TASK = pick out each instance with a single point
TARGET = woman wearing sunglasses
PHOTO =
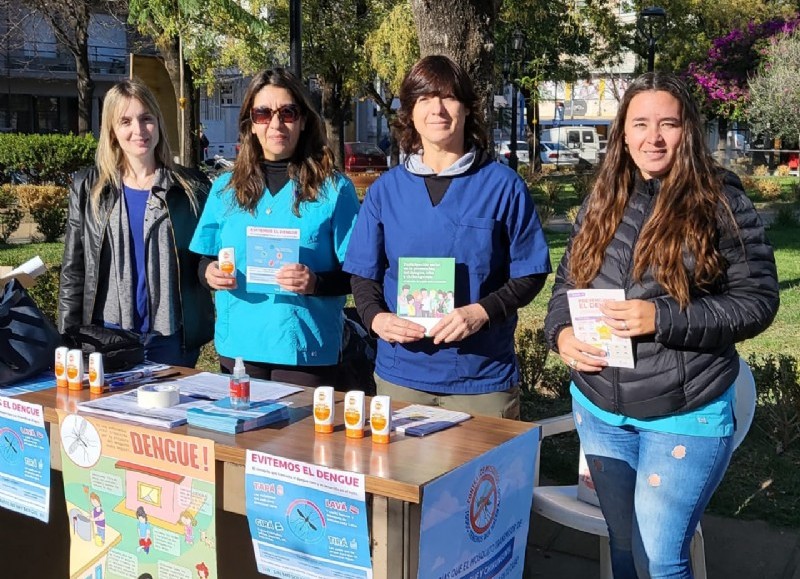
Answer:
(287, 214)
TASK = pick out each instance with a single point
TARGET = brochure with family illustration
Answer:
(589, 327)
(425, 289)
(268, 249)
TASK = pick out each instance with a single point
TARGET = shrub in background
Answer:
(769, 189)
(761, 171)
(782, 171)
(45, 158)
(47, 204)
(778, 406)
(10, 214)
(572, 213)
(582, 185)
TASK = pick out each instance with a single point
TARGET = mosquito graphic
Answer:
(10, 444)
(307, 520)
(79, 440)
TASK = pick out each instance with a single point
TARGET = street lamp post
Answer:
(651, 25)
(516, 48)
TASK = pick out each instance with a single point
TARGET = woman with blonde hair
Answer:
(288, 214)
(126, 261)
(677, 233)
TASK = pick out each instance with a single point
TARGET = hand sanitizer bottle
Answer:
(239, 386)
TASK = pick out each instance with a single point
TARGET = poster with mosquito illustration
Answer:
(24, 459)
(306, 520)
(140, 502)
(474, 520)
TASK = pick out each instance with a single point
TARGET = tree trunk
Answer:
(85, 91)
(333, 103)
(463, 31)
(187, 154)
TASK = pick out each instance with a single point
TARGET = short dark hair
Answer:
(438, 75)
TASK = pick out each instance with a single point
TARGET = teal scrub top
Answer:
(280, 328)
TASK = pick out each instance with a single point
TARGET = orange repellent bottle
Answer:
(60, 366)
(323, 409)
(75, 370)
(354, 414)
(97, 378)
(239, 387)
(380, 418)
(227, 260)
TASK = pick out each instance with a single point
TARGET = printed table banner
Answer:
(140, 502)
(24, 459)
(474, 522)
(307, 521)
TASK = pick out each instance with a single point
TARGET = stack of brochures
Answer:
(219, 415)
(419, 420)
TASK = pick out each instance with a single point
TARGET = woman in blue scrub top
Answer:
(288, 215)
(448, 199)
(673, 229)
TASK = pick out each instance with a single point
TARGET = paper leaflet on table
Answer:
(195, 391)
(589, 327)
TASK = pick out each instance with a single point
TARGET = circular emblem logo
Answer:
(484, 502)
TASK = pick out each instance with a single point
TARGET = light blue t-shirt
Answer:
(284, 328)
(713, 419)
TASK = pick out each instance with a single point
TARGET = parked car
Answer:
(504, 152)
(363, 163)
(558, 154)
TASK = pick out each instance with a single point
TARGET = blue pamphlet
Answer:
(269, 249)
(219, 415)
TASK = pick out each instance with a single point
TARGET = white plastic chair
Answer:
(561, 505)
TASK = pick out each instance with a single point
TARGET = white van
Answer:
(583, 139)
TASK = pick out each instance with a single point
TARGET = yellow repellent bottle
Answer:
(323, 409)
(227, 260)
(97, 378)
(60, 366)
(354, 414)
(75, 370)
(380, 419)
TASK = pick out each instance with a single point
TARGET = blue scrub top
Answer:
(486, 221)
(286, 328)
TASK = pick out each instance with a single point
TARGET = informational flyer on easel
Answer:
(139, 501)
(24, 459)
(306, 520)
(475, 519)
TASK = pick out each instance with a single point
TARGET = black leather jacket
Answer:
(691, 359)
(87, 255)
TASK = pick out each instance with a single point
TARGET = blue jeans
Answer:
(168, 350)
(653, 487)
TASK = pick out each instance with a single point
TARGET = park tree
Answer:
(464, 31)
(390, 49)
(774, 104)
(563, 42)
(69, 22)
(721, 80)
(195, 40)
(692, 26)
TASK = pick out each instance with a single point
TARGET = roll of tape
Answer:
(158, 395)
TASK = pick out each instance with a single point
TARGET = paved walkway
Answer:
(734, 550)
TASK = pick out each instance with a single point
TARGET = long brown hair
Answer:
(439, 76)
(688, 208)
(312, 161)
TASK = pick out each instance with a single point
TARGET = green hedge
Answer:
(44, 158)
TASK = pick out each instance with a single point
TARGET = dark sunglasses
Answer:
(286, 114)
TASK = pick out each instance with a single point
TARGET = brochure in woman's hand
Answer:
(589, 327)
